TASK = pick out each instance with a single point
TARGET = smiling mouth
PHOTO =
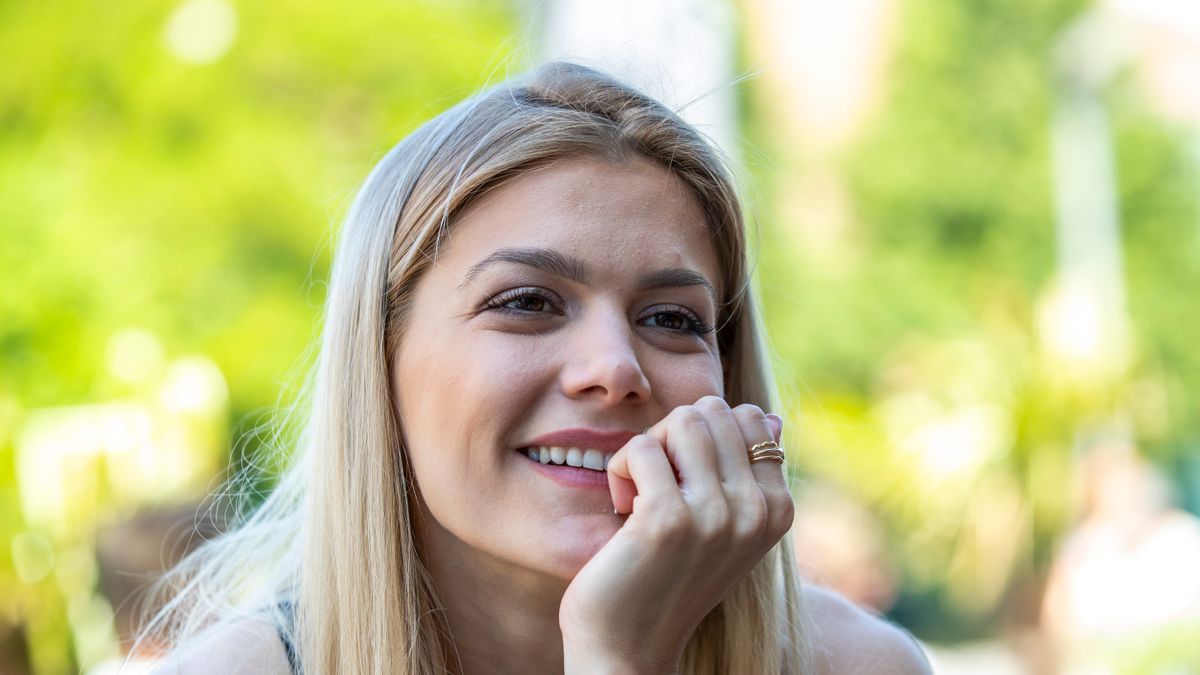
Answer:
(583, 458)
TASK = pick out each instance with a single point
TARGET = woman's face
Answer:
(571, 308)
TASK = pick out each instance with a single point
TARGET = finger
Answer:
(757, 428)
(731, 446)
(776, 423)
(688, 441)
(620, 482)
(641, 469)
(770, 474)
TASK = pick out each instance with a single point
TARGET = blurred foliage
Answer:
(911, 342)
(162, 215)
(189, 201)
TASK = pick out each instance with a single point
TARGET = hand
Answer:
(700, 517)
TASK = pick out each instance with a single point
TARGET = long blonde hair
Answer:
(336, 534)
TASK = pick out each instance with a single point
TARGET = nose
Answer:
(603, 365)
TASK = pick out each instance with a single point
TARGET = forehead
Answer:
(614, 215)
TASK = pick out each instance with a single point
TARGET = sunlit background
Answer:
(978, 241)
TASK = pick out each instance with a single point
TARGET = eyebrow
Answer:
(677, 277)
(553, 262)
(547, 260)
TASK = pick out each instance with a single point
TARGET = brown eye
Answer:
(527, 303)
(668, 320)
(674, 318)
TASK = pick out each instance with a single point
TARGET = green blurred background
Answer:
(996, 436)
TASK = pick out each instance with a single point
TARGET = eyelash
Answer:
(500, 302)
(694, 324)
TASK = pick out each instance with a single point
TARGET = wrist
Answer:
(591, 660)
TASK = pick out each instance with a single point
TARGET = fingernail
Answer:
(776, 424)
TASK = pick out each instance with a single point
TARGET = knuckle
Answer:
(713, 403)
(688, 415)
(753, 515)
(750, 412)
(634, 453)
(644, 446)
(641, 442)
(716, 523)
(636, 446)
(782, 514)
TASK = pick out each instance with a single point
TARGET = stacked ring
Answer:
(766, 450)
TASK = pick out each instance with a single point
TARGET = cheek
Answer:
(459, 403)
(458, 398)
(677, 382)
(497, 376)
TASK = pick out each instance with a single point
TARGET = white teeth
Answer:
(574, 457)
(593, 459)
(580, 457)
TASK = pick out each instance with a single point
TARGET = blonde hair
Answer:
(336, 534)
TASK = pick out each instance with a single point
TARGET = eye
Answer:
(675, 318)
(671, 320)
(524, 301)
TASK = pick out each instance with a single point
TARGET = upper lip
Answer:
(604, 440)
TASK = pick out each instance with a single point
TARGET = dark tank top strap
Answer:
(285, 636)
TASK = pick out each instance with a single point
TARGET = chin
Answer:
(563, 556)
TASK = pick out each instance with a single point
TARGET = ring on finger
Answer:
(766, 450)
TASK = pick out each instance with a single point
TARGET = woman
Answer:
(536, 440)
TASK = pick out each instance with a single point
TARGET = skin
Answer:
(848, 641)
(536, 575)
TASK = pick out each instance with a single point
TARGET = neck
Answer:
(503, 619)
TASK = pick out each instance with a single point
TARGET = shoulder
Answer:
(242, 647)
(848, 640)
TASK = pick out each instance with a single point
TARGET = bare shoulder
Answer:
(849, 640)
(242, 647)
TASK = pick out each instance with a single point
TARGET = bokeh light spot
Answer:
(193, 385)
(135, 355)
(33, 556)
(201, 31)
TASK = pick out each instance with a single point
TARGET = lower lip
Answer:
(570, 476)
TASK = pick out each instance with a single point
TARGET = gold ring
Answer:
(766, 450)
